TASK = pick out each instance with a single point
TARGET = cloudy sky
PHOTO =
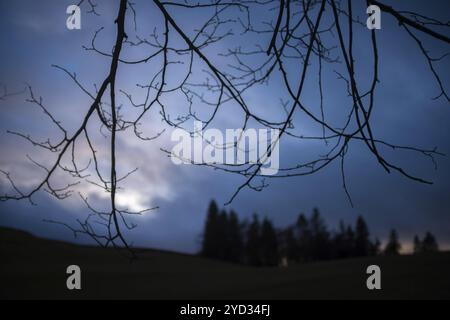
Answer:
(34, 36)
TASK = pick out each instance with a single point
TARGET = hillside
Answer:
(35, 268)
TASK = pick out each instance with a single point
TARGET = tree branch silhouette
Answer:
(297, 34)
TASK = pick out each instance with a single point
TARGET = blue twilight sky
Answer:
(34, 36)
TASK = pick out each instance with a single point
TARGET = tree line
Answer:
(257, 242)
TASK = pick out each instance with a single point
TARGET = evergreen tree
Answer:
(429, 243)
(343, 242)
(393, 246)
(257, 244)
(362, 242)
(234, 240)
(321, 246)
(291, 245)
(417, 245)
(303, 235)
(269, 244)
(253, 243)
(210, 240)
(375, 248)
(223, 252)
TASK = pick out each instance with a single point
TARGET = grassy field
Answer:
(36, 268)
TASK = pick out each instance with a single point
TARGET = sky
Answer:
(34, 36)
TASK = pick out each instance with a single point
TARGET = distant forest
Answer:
(259, 243)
